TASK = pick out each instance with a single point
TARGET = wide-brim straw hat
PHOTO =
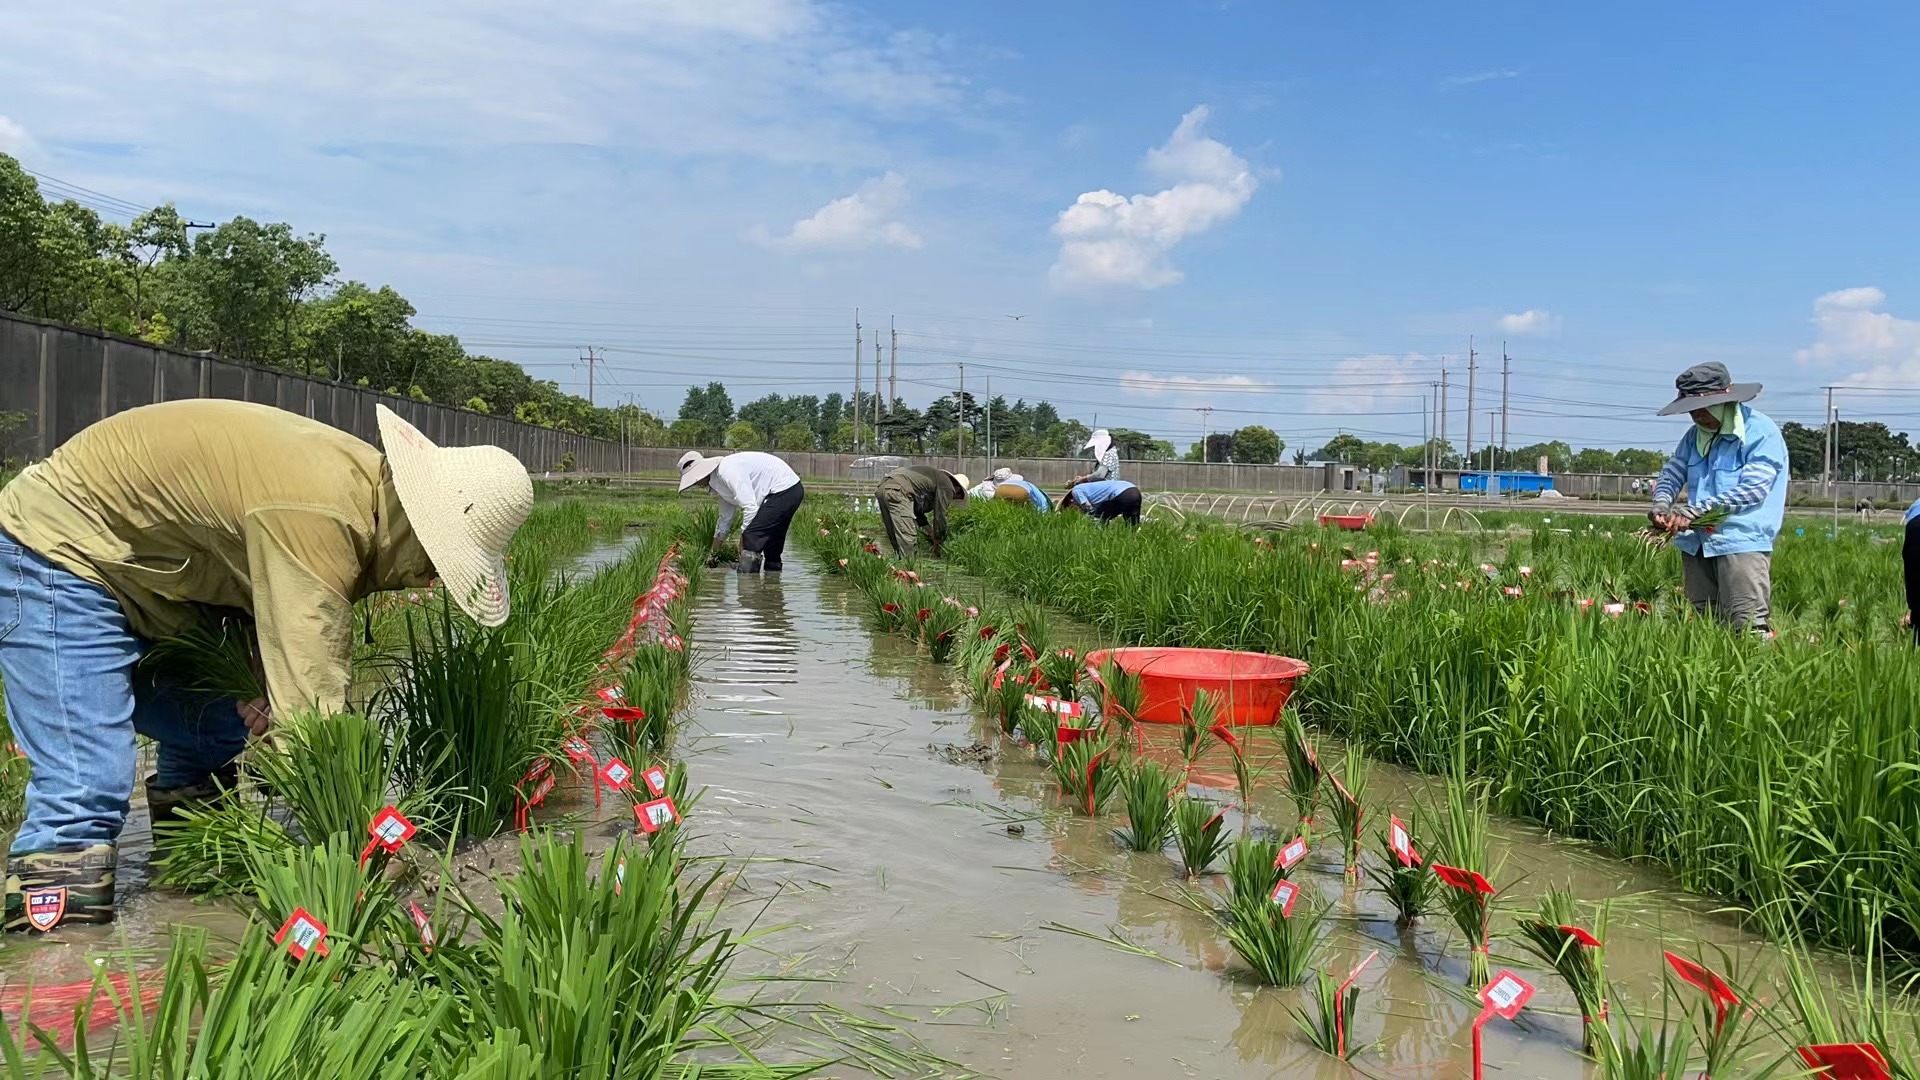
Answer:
(464, 503)
(694, 468)
(961, 480)
(1704, 386)
(1098, 442)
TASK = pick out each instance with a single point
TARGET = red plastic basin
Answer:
(1356, 522)
(1251, 687)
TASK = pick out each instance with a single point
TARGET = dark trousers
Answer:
(1124, 505)
(768, 533)
(1910, 556)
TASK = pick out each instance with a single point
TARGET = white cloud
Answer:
(1880, 347)
(1453, 81)
(1533, 322)
(1376, 382)
(863, 219)
(13, 137)
(1147, 383)
(1110, 239)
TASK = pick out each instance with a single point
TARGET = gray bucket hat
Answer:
(1703, 386)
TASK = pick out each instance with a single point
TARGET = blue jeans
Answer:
(75, 699)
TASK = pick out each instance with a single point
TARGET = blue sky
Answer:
(1287, 212)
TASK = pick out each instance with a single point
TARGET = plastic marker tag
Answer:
(611, 695)
(624, 713)
(619, 877)
(656, 815)
(1052, 704)
(424, 924)
(1284, 895)
(1614, 609)
(1067, 734)
(1846, 1061)
(1712, 985)
(1506, 994)
(1581, 936)
(1401, 841)
(1291, 855)
(302, 934)
(656, 780)
(1464, 880)
(1339, 1004)
(390, 830)
(615, 774)
(577, 750)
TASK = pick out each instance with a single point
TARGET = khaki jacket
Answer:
(232, 505)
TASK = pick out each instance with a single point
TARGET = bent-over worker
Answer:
(1733, 458)
(1910, 561)
(1105, 455)
(762, 489)
(1020, 490)
(1105, 500)
(143, 522)
(916, 498)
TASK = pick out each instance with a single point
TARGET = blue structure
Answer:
(1506, 482)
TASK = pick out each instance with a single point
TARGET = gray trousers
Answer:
(1737, 588)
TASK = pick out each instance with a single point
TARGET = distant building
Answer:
(1505, 483)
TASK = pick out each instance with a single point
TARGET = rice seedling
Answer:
(1148, 790)
(1303, 770)
(1461, 862)
(1401, 877)
(940, 631)
(1329, 1027)
(1253, 868)
(1346, 805)
(1062, 669)
(1198, 825)
(1645, 1048)
(334, 773)
(1197, 718)
(1278, 941)
(1554, 937)
(216, 657)
(1086, 774)
(1121, 697)
(1038, 728)
(1655, 537)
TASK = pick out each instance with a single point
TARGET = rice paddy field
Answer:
(884, 858)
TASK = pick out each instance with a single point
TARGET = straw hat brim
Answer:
(429, 480)
(1740, 391)
(698, 471)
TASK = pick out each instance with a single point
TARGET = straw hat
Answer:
(960, 479)
(694, 468)
(465, 503)
(1098, 442)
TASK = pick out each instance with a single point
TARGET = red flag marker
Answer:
(390, 830)
(1067, 734)
(302, 934)
(1716, 989)
(656, 815)
(610, 694)
(1291, 855)
(1581, 936)
(656, 780)
(1504, 996)
(1401, 841)
(1285, 894)
(1340, 1004)
(1846, 1061)
(1464, 880)
(421, 921)
(615, 774)
(624, 713)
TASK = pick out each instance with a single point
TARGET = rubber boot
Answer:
(750, 562)
(71, 885)
(165, 804)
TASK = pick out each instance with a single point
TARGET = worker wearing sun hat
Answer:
(915, 499)
(139, 526)
(1105, 455)
(1735, 459)
(762, 489)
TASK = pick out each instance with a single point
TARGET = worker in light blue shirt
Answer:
(1105, 500)
(1910, 558)
(1733, 459)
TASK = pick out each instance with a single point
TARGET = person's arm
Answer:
(1666, 488)
(723, 491)
(1108, 468)
(1766, 461)
(303, 565)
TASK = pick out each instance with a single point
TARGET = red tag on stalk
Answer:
(302, 934)
(1716, 988)
(610, 694)
(656, 815)
(615, 774)
(1583, 937)
(1291, 855)
(1340, 1004)
(1505, 995)
(540, 777)
(424, 924)
(656, 780)
(1225, 734)
(390, 830)
(624, 713)
(577, 750)
(1846, 1061)
(1401, 841)
(1067, 735)
(1284, 894)
(1464, 880)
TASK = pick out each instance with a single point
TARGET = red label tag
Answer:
(1464, 880)
(1291, 855)
(302, 934)
(391, 829)
(1506, 994)
(1401, 841)
(615, 774)
(1581, 936)
(656, 815)
(656, 778)
(611, 695)
(424, 924)
(1067, 734)
(1054, 705)
(619, 877)
(1284, 894)
(1712, 985)
(1846, 1061)
(577, 750)
(46, 907)
(625, 713)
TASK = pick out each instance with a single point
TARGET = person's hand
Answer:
(1906, 621)
(258, 717)
(1660, 518)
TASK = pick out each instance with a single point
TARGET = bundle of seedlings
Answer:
(1460, 861)
(1148, 787)
(1198, 825)
(1086, 773)
(891, 605)
(941, 625)
(1401, 877)
(1197, 719)
(1329, 1027)
(1577, 955)
(216, 657)
(1038, 728)
(1062, 670)
(1277, 937)
(1346, 804)
(1707, 521)
(652, 686)
(1243, 770)
(1253, 868)
(1303, 770)
(1871, 1013)
(1121, 697)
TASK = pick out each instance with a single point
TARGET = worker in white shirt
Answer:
(988, 488)
(762, 489)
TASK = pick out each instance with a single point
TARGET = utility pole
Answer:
(893, 365)
(590, 359)
(1442, 428)
(1826, 445)
(1470, 371)
(856, 380)
(1506, 369)
(876, 389)
(1206, 417)
(960, 424)
(989, 424)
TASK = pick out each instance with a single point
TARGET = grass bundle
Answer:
(1303, 770)
(653, 681)
(1410, 890)
(1062, 668)
(1645, 1048)
(1086, 774)
(1253, 868)
(1039, 728)
(215, 657)
(1550, 935)
(1462, 844)
(1329, 1027)
(1197, 720)
(891, 605)
(1347, 806)
(1280, 948)
(334, 773)
(1122, 697)
(210, 848)
(1658, 538)
(1198, 825)
(1148, 787)
(940, 631)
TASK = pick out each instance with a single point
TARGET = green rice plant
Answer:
(1462, 844)
(941, 630)
(653, 681)
(1062, 668)
(1279, 948)
(334, 773)
(1253, 868)
(1329, 1027)
(1582, 966)
(211, 848)
(1122, 697)
(1197, 718)
(1148, 787)
(891, 605)
(1197, 828)
(1086, 774)
(1410, 890)
(1039, 728)
(1303, 770)
(326, 879)
(1347, 803)
(216, 657)
(1871, 1012)
(1644, 1047)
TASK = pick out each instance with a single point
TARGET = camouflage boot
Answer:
(48, 888)
(164, 804)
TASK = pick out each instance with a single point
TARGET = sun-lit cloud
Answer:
(1376, 382)
(865, 219)
(1148, 383)
(1108, 239)
(1454, 81)
(1533, 322)
(13, 136)
(1880, 348)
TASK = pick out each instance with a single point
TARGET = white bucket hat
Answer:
(464, 503)
(1098, 442)
(694, 468)
(1001, 476)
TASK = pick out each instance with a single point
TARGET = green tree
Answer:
(1342, 447)
(1641, 462)
(1256, 445)
(1593, 459)
(684, 432)
(744, 436)
(710, 405)
(796, 437)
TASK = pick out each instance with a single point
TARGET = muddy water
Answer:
(823, 743)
